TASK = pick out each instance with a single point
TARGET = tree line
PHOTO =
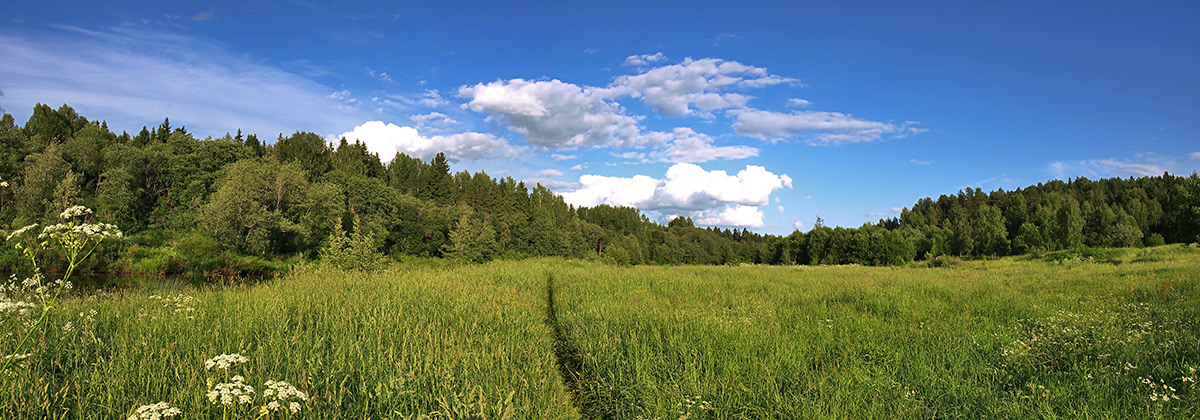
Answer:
(189, 203)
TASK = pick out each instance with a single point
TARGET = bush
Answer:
(1155, 240)
(352, 252)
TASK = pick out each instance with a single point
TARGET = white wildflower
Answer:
(230, 393)
(155, 412)
(74, 211)
(18, 232)
(283, 392)
(225, 361)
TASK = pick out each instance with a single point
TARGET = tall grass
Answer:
(987, 339)
(1112, 337)
(438, 343)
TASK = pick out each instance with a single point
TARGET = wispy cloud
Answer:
(1106, 168)
(920, 162)
(137, 77)
(209, 14)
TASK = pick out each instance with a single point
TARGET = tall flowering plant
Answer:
(30, 301)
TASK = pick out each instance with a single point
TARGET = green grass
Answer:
(394, 345)
(1010, 338)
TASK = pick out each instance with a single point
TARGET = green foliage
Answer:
(281, 201)
(355, 251)
(473, 240)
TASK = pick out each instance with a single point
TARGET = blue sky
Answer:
(764, 115)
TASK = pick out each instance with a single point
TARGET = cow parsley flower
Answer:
(74, 211)
(282, 393)
(230, 393)
(225, 361)
(155, 412)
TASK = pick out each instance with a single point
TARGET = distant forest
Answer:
(238, 203)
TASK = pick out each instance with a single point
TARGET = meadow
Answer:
(1112, 336)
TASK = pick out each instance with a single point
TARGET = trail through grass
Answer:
(554, 339)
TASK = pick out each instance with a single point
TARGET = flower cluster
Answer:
(282, 393)
(155, 412)
(20, 231)
(693, 405)
(104, 230)
(13, 306)
(73, 212)
(1159, 391)
(178, 303)
(225, 361)
(230, 393)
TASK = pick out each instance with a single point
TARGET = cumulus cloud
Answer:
(134, 77)
(689, 146)
(559, 156)
(387, 139)
(550, 173)
(734, 216)
(716, 197)
(815, 127)
(643, 60)
(696, 87)
(555, 114)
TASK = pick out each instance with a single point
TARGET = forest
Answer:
(240, 204)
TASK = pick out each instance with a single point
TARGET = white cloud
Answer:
(550, 183)
(434, 118)
(781, 209)
(387, 139)
(732, 216)
(796, 223)
(1107, 168)
(133, 77)
(643, 60)
(1194, 155)
(554, 114)
(1137, 169)
(579, 167)
(559, 156)
(550, 173)
(696, 87)
(798, 103)
(687, 189)
(807, 197)
(816, 127)
(920, 162)
(690, 146)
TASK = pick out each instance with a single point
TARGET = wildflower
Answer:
(18, 232)
(230, 393)
(225, 361)
(19, 307)
(283, 392)
(155, 412)
(74, 211)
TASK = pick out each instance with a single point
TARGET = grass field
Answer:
(1112, 337)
